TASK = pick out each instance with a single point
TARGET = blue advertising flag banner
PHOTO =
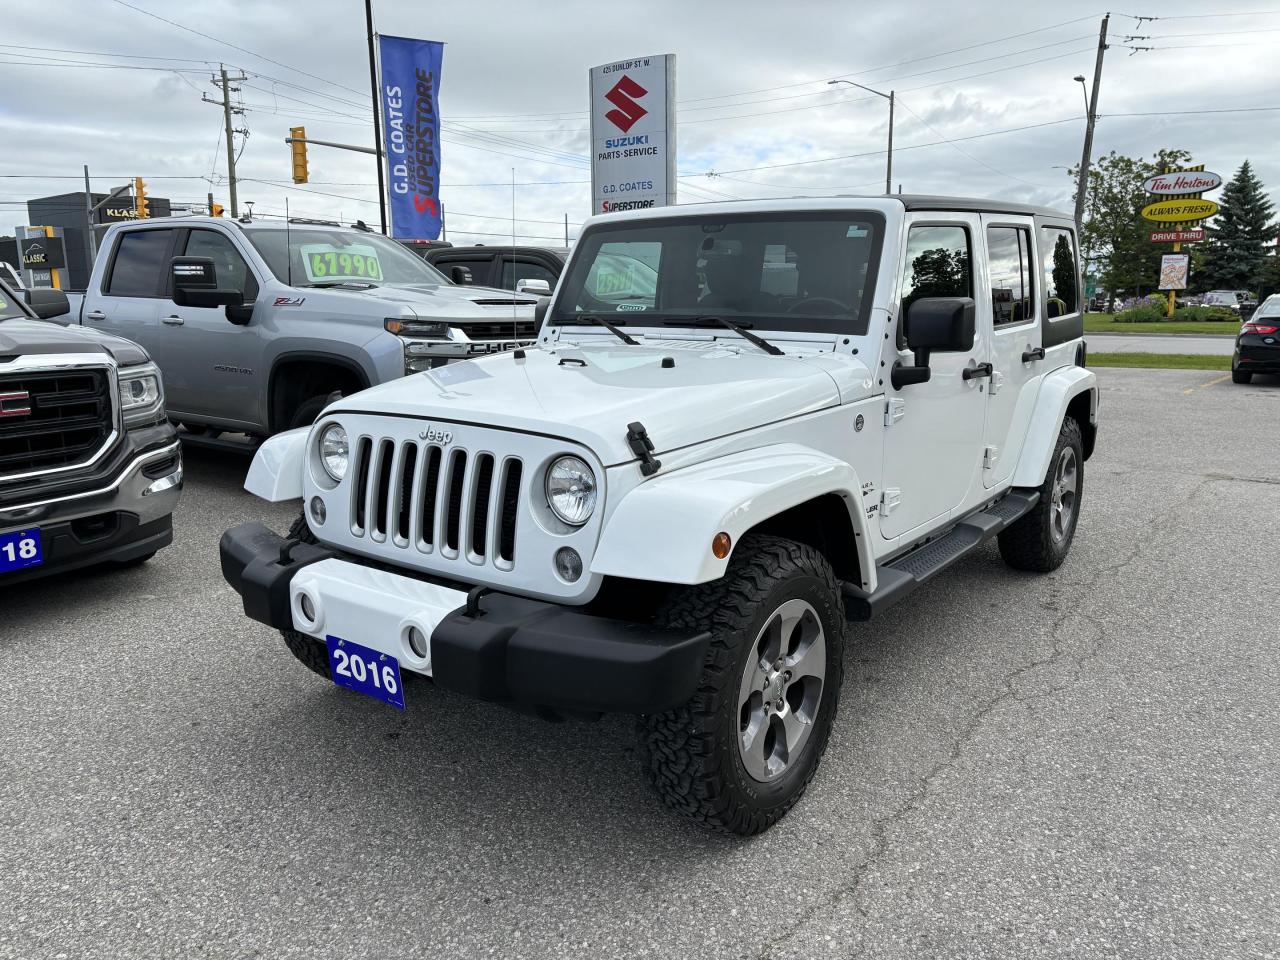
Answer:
(409, 80)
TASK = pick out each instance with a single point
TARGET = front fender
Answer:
(276, 471)
(1057, 390)
(662, 530)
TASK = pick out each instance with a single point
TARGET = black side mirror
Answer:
(46, 302)
(945, 324)
(540, 310)
(195, 284)
(460, 274)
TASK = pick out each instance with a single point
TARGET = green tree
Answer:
(1115, 237)
(1235, 248)
(939, 273)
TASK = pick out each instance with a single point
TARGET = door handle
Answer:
(173, 321)
(1035, 353)
(96, 315)
(977, 370)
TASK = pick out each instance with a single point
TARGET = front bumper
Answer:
(497, 647)
(116, 520)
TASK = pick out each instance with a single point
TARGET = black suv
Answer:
(500, 266)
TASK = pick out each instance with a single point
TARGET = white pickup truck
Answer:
(782, 417)
(257, 324)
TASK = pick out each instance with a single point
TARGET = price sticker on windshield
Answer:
(356, 261)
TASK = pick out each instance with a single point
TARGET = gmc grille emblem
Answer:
(17, 404)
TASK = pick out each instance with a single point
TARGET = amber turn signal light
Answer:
(720, 545)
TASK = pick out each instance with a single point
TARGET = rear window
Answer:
(1061, 273)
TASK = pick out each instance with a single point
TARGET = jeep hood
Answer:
(590, 394)
(434, 301)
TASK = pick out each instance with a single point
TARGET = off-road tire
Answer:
(1028, 543)
(691, 753)
(310, 652)
(1241, 376)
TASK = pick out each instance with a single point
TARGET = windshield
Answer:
(321, 256)
(804, 272)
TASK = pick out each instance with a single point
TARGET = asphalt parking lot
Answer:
(1083, 764)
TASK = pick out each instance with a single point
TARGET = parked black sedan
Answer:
(1258, 343)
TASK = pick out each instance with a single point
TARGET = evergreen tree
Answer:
(1235, 244)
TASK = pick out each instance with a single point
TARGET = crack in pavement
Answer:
(881, 827)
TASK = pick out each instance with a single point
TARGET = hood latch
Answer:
(642, 447)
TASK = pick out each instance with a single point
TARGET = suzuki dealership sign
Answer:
(633, 134)
(409, 84)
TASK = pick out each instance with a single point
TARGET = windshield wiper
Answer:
(737, 328)
(601, 321)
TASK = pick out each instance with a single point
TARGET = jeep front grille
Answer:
(53, 420)
(437, 500)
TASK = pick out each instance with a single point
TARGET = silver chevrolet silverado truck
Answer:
(257, 325)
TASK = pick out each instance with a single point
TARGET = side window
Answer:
(514, 270)
(938, 264)
(1009, 261)
(233, 272)
(1061, 274)
(141, 264)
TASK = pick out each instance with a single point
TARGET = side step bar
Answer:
(900, 576)
(248, 446)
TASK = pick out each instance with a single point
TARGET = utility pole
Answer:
(1082, 183)
(224, 81)
(90, 239)
(377, 121)
(566, 230)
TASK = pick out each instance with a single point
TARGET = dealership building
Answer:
(55, 250)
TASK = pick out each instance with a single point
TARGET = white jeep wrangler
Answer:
(743, 425)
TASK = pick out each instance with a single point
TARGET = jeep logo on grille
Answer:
(16, 404)
(432, 435)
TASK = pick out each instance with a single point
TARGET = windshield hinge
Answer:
(894, 411)
(990, 457)
(642, 447)
(997, 381)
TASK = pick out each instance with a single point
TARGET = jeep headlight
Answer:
(571, 490)
(335, 452)
(141, 395)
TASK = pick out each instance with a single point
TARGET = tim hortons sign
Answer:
(1179, 182)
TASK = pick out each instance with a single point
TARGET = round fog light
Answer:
(308, 608)
(418, 642)
(568, 564)
(318, 511)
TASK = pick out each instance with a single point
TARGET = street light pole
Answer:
(888, 167)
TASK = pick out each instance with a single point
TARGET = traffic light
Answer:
(140, 198)
(216, 209)
(298, 149)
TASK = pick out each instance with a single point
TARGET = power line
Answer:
(962, 152)
(233, 46)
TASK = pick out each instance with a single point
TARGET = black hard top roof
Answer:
(918, 201)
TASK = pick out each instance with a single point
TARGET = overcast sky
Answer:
(751, 85)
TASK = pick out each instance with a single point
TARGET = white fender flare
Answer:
(1057, 390)
(276, 471)
(662, 530)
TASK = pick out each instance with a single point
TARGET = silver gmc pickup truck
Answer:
(257, 325)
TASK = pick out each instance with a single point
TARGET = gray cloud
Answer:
(518, 71)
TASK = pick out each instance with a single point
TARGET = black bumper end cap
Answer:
(544, 655)
(257, 566)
